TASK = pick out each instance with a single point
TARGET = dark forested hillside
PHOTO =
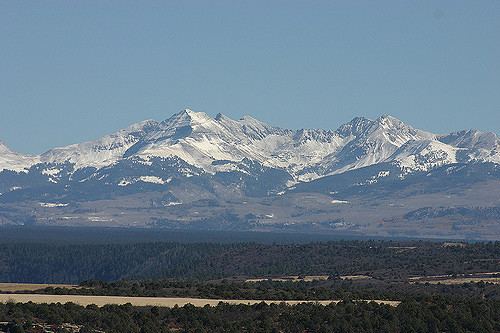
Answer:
(50, 263)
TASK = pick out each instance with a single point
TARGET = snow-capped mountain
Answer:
(10, 160)
(368, 142)
(474, 145)
(423, 155)
(192, 170)
(219, 144)
(102, 152)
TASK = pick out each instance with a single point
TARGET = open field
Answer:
(462, 280)
(306, 278)
(293, 278)
(355, 277)
(18, 287)
(147, 301)
(487, 277)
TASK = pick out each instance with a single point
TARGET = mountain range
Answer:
(377, 177)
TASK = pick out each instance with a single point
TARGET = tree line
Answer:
(411, 316)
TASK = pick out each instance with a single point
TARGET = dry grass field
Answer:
(146, 301)
(495, 280)
(489, 277)
(355, 277)
(21, 287)
(293, 278)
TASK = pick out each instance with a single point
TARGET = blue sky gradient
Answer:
(75, 70)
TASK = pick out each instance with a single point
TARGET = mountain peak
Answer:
(249, 120)
(14, 161)
(387, 116)
(472, 138)
(355, 127)
(190, 112)
(4, 148)
(388, 120)
(140, 126)
(194, 114)
(186, 117)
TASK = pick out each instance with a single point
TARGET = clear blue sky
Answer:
(75, 70)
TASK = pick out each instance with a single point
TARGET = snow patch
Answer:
(52, 204)
(152, 180)
(339, 201)
(172, 203)
(144, 179)
(51, 172)
(124, 182)
(99, 219)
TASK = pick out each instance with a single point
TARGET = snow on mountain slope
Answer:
(196, 138)
(281, 148)
(424, 155)
(13, 161)
(475, 145)
(370, 142)
(200, 140)
(307, 154)
(102, 152)
(472, 139)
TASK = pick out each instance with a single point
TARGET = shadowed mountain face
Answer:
(195, 171)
